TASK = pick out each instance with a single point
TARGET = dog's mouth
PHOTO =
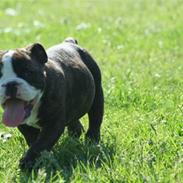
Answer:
(15, 111)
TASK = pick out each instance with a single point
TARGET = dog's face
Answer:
(22, 81)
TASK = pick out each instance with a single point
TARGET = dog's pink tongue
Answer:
(14, 112)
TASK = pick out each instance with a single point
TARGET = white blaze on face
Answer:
(7, 73)
(7, 70)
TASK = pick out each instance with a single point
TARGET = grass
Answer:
(138, 46)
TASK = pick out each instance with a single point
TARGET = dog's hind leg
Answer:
(97, 109)
(95, 116)
(75, 129)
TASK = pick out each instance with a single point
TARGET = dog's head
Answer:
(22, 81)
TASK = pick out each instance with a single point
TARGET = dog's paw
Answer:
(27, 162)
(92, 137)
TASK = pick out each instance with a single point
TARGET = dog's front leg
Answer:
(45, 141)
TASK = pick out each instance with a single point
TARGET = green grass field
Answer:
(138, 45)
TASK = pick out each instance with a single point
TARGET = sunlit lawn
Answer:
(138, 45)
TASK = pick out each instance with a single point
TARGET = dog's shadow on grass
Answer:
(65, 158)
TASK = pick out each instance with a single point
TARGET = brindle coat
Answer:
(72, 87)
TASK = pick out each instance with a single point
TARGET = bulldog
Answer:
(44, 91)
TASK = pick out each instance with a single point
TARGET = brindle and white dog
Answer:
(42, 92)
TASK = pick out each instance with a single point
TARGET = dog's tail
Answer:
(71, 40)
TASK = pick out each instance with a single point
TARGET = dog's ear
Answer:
(38, 53)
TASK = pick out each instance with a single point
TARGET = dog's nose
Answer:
(11, 89)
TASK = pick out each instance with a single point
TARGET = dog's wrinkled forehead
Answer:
(25, 58)
(19, 64)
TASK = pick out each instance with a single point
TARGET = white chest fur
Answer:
(32, 120)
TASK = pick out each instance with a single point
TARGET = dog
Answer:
(44, 91)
